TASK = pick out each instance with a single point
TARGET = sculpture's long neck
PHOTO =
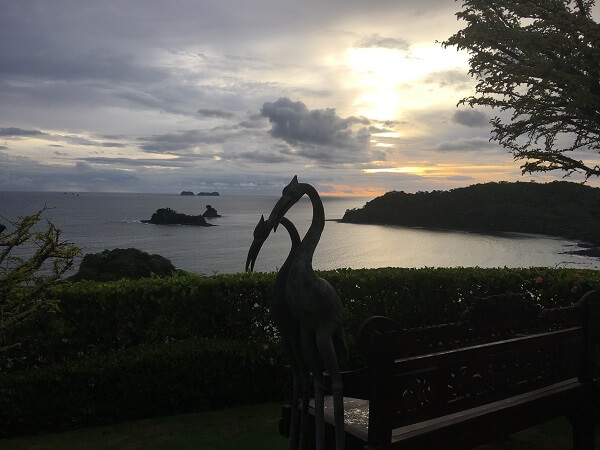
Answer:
(295, 238)
(313, 235)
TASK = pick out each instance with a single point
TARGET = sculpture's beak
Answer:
(282, 206)
(253, 253)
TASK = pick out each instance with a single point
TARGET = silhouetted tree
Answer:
(112, 265)
(24, 279)
(538, 60)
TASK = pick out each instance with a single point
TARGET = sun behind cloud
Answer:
(390, 79)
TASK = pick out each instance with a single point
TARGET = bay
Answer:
(99, 221)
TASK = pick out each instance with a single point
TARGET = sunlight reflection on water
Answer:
(99, 221)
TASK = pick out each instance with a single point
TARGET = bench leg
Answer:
(583, 430)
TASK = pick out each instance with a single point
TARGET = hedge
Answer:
(139, 348)
(95, 318)
(139, 382)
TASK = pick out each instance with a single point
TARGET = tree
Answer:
(112, 265)
(538, 61)
(24, 280)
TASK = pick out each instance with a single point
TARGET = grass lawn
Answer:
(247, 428)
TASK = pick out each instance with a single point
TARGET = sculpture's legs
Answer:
(314, 361)
(306, 394)
(297, 370)
(319, 413)
(294, 442)
(329, 359)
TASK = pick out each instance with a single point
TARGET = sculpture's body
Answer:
(318, 308)
(288, 327)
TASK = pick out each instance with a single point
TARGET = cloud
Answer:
(184, 140)
(19, 132)
(112, 144)
(459, 178)
(377, 41)
(23, 173)
(466, 145)
(470, 118)
(215, 113)
(316, 134)
(452, 78)
(144, 162)
(260, 156)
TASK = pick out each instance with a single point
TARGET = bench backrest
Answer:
(496, 352)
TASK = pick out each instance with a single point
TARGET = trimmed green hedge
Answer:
(140, 382)
(138, 348)
(95, 318)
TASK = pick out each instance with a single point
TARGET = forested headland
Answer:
(560, 208)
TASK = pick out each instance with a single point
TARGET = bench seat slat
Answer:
(531, 408)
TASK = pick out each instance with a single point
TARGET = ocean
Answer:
(99, 221)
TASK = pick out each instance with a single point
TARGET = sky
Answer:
(355, 97)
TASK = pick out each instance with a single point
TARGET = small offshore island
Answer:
(201, 194)
(561, 208)
(166, 216)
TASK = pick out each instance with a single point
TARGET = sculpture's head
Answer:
(261, 233)
(290, 195)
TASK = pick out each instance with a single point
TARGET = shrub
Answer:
(139, 382)
(112, 265)
(30, 263)
(102, 317)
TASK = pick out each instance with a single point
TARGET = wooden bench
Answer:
(508, 365)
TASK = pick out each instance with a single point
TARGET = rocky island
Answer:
(210, 212)
(166, 216)
(187, 193)
(208, 194)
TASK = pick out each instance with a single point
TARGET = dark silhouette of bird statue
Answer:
(289, 329)
(318, 308)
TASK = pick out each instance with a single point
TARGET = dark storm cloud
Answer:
(215, 113)
(377, 41)
(470, 118)
(297, 125)
(19, 132)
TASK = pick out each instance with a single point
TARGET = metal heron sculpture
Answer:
(288, 327)
(318, 308)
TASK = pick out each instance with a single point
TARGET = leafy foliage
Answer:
(97, 318)
(33, 259)
(540, 61)
(137, 348)
(140, 382)
(563, 209)
(112, 265)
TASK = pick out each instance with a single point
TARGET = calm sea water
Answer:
(98, 221)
